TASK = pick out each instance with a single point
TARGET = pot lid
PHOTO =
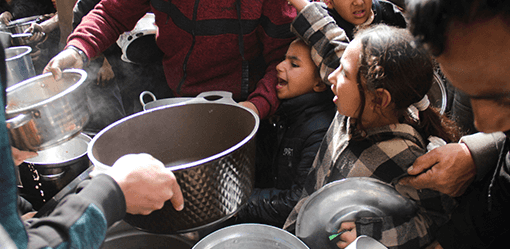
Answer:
(345, 200)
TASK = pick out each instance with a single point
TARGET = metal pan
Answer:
(345, 200)
(250, 236)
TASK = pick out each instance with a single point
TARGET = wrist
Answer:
(82, 54)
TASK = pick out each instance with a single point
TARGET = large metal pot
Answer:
(159, 102)
(42, 112)
(250, 236)
(52, 169)
(19, 65)
(209, 144)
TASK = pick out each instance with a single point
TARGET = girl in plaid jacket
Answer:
(382, 126)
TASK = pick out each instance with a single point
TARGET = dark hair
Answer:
(390, 59)
(429, 19)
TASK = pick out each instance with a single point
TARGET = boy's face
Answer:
(297, 74)
(354, 11)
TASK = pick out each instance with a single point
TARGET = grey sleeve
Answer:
(485, 149)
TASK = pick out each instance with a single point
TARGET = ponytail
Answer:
(432, 123)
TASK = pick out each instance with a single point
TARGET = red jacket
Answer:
(214, 59)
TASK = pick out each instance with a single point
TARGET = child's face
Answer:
(353, 11)
(297, 74)
(344, 82)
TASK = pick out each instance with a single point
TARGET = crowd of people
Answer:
(341, 89)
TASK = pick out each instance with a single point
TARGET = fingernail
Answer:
(181, 207)
(410, 168)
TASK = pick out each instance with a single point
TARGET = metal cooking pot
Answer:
(17, 28)
(345, 200)
(42, 112)
(162, 102)
(209, 144)
(250, 236)
(19, 65)
(52, 169)
(437, 94)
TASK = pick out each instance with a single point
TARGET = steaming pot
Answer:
(209, 144)
(42, 112)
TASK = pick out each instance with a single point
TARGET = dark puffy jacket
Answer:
(301, 125)
(384, 12)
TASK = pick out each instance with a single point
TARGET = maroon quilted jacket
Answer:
(202, 44)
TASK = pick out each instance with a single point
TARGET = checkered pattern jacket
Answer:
(384, 153)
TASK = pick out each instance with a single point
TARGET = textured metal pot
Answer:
(19, 65)
(161, 102)
(208, 142)
(252, 236)
(42, 112)
(54, 168)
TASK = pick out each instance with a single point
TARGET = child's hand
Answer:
(347, 237)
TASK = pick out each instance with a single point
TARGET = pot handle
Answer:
(142, 95)
(52, 177)
(18, 121)
(215, 96)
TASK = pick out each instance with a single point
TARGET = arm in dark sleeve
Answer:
(81, 8)
(80, 220)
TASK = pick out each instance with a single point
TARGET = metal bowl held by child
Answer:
(250, 236)
(208, 142)
(321, 215)
(42, 112)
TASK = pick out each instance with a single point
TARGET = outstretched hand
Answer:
(146, 183)
(448, 169)
(67, 58)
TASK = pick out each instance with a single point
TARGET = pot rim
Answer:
(18, 56)
(24, 20)
(100, 165)
(81, 72)
(81, 136)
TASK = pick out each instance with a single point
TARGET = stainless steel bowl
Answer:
(250, 236)
(19, 65)
(345, 200)
(42, 112)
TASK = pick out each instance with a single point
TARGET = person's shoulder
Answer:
(389, 13)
